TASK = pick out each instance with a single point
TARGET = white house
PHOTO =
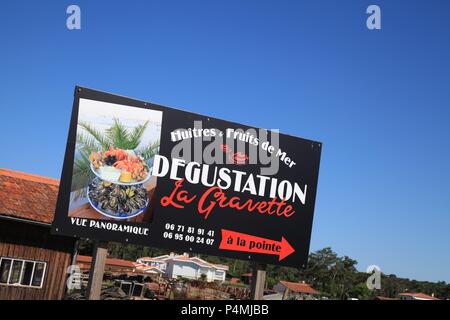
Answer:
(416, 296)
(175, 266)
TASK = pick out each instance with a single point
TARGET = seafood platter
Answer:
(117, 201)
(120, 166)
(118, 189)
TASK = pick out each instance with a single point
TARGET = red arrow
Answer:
(237, 241)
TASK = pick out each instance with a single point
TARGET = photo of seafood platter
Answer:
(117, 191)
(123, 167)
(113, 161)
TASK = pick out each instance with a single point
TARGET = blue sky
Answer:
(378, 100)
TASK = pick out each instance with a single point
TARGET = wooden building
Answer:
(295, 290)
(33, 263)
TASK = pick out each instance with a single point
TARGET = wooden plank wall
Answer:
(26, 241)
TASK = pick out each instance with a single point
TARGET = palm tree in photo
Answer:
(90, 139)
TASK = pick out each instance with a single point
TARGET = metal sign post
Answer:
(97, 270)
(258, 281)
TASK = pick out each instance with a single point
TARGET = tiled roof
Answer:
(147, 269)
(417, 295)
(109, 261)
(299, 287)
(200, 262)
(186, 258)
(27, 196)
(155, 259)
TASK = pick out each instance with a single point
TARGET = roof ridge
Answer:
(110, 259)
(304, 283)
(415, 294)
(28, 176)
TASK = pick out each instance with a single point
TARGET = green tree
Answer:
(334, 276)
(320, 273)
(361, 292)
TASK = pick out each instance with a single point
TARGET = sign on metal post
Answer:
(137, 172)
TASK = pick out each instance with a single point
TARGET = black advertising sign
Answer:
(142, 173)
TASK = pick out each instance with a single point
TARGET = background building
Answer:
(416, 296)
(33, 262)
(175, 266)
(295, 290)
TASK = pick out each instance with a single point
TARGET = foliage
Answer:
(335, 277)
(361, 292)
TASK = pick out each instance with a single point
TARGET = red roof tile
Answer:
(109, 261)
(299, 287)
(27, 196)
(417, 295)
